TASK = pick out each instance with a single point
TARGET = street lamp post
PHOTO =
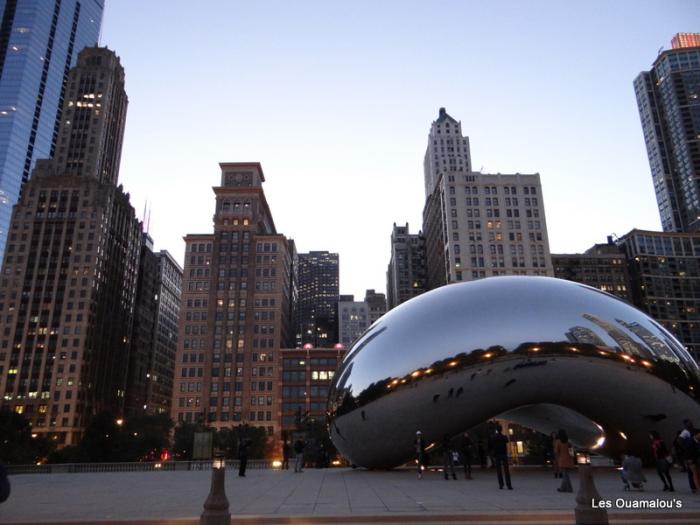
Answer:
(216, 506)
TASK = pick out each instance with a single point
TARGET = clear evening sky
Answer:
(335, 99)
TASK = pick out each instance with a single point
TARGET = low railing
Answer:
(141, 466)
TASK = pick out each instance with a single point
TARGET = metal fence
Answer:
(142, 466)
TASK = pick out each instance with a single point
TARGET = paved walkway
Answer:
(340, 495)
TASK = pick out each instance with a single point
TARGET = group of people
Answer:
(686, 452)
(298, 447)
(463, 451)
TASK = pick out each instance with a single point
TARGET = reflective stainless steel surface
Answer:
(543, 352)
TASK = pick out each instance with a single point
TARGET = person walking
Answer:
(691, 452)
(299, 446)
(419, 446)
(243, 456)
(555, 464)
(499, 452)
(4, 484)
(448, 458)
(677, 448)
(564, 458)
(663, 466)
(631, 473)
(286, 452)
(467, 453)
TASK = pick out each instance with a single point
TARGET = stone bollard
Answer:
(587, 493)
(216, 506)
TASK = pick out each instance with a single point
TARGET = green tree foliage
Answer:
(141, 438)
(319, 450)
(16, 442)
(184, 440)
(226, 440)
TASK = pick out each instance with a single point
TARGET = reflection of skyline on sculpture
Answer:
(494, 345)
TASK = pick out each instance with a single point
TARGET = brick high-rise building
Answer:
(406, 274)
(603, 266)
(476, 224)
(317, 298)
(306, 377)
(39, 43)
(668, 97)
(235, 310)
(68, 282)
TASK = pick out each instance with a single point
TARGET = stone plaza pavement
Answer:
(326, 496)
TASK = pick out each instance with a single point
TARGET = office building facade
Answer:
(603, 266)
(68, 287)
(306, 377)
(354, 317)
(318, 282)
(407, 274)
(154, 340)
(39, 43)
(668, 99)
(235, 310)
(476, 224)
(159, 391)
(664, 271)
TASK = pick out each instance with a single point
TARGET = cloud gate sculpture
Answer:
(542, 352)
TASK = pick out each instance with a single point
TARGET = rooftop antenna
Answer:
(143, 217)
(148, 224)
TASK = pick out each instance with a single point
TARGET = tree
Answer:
(16, 442)
(184, 440)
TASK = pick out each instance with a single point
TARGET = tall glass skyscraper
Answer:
(39, 43)
(668, 97)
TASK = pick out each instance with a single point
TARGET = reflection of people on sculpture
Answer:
(499, 451)
(563, 453)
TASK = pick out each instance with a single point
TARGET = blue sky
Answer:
(335, 99)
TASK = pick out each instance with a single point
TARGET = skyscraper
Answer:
(162, 365)
(67, 291)
(39, 43)
(317, 298)
(664, 270)
(447, 151)
(406, 274)
(235, 310)
(477, 224)
(668, 98)
(154, 341)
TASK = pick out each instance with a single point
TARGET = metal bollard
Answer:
(216, 506)
(585, 513)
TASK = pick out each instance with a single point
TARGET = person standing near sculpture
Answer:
(419, 445)
(663, 466)
(691, 452)
(563, 453)
(555, 465)
(243, 447)
(499, 452)
(299, 446)
(286, 452)
(467, 453)
(448, 458)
